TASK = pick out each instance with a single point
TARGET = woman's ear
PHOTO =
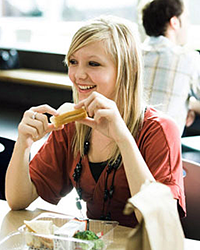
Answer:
(175, 23)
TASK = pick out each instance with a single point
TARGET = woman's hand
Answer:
(34, 124)
(103, 116)
(20, 190)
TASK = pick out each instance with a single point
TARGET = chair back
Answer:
(191, 223)
(6, 149)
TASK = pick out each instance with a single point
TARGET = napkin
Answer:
(159, 226)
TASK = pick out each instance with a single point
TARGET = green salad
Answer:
(89, 235)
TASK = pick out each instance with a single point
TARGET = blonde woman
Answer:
(120, 138)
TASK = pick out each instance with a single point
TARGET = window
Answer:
(48, 25)
(194, 32)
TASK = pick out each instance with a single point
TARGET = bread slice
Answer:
(67, 114)
(44, 227)
(40, 226)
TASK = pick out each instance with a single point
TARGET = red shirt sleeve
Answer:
(159, 143)
(50, 166)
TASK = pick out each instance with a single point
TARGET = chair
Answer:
(191, 223)
(6, 149)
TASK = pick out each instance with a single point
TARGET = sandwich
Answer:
(41, 227)
(67, 114)
(44, 234)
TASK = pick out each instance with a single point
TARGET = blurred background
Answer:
(47, 25)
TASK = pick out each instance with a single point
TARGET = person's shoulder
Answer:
(150, 44)
(187, 52)
(163, 46)
(189, 60)
(157, 120)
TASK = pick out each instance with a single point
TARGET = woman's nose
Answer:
(80, 73)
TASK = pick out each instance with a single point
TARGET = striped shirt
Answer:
(171, 76)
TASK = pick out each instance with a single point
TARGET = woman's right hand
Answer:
(34, 124)
(20, 190)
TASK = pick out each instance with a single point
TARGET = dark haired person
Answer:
(172, 72)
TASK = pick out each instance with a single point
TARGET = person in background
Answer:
(171, 71)
(111, 153)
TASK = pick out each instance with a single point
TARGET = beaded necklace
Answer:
(108, 192)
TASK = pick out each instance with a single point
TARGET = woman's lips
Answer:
(85, 88)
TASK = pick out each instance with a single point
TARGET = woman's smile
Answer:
(85, 88)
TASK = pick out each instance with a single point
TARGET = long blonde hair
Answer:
(123, 45)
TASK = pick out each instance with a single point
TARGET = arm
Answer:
(194, 105)
(157, 153)
(194, 108)
(132, 157)
(109, 122)
(20, 191)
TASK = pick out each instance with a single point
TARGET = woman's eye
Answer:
(94, 64)
(72, 61)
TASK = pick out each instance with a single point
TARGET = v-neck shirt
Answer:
(97, 168)
(52, 168)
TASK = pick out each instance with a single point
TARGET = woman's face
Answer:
(92, 69)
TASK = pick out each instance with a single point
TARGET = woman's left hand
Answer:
(103, 116)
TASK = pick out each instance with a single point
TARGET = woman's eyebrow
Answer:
(94, 56)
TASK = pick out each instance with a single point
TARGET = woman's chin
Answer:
(82, 96)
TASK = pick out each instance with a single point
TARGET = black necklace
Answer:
(108, 193)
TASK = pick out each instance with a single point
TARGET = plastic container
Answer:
(104, 229)
(17, 241)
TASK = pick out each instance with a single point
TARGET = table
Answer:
(191, 142)
(10, 221)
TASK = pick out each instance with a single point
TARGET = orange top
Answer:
(52, 168)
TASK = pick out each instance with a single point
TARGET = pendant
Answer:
(78, 204)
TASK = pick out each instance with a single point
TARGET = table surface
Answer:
(192, 142)
(10, 221)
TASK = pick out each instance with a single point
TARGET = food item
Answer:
(86, 235)
(71, 227)
(40, 226)
(89, 235)
(67, 113)
(44, 234)
(68, 230)
(44, 227)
